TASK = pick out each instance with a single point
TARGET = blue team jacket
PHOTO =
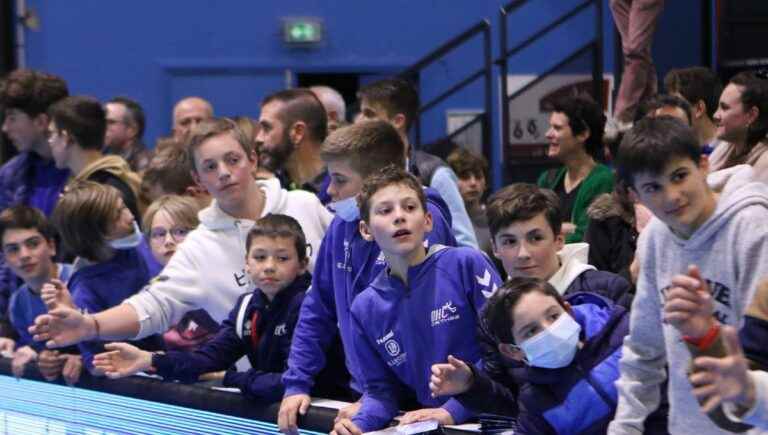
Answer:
(578, 399)
(416, 326)
(97, 287)
(345, 265)
(30, 180)
(25, 306)
(256, 328)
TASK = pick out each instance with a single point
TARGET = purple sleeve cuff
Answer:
(459, 413)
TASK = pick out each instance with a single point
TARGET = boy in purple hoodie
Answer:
(426, 304)
(346, 263)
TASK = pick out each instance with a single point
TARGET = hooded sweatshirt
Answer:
(418, 325)
(579, 398)
(731, 250)
(116, 172)
(208, 269)
(346, 266)
(96, 287)
(575, 276)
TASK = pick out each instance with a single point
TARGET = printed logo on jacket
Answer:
(721, 297)
(392, 347)
(444, 314)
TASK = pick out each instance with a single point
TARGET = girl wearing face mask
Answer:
(113, 260)
(562, 356)
(167, 222)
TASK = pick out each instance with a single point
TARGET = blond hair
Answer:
(214, 127)
(182, 209)
(84, 217)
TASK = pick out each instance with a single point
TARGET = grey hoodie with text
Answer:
(731, 250)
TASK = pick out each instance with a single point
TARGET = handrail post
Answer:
(488, 124)
(597, 64)
(503, 69)
(417, 126)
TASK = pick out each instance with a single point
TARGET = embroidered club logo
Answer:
(281, 330)
(392, 347)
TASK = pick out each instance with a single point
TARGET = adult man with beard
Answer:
(292, 126)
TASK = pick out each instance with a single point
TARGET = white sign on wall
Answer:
(528, 122)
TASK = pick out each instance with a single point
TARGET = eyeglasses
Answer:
(177, 234)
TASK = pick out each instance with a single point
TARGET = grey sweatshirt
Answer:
(731, 250)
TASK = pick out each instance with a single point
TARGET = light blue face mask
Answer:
(346, 209)
(130, 241)
(555, 346)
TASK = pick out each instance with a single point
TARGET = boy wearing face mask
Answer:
(569, 349)
(346, 263)
(113, 259)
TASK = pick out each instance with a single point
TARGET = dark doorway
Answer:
(742, 26)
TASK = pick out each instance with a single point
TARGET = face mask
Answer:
(555, 346)
(346, 209)
(130, 241)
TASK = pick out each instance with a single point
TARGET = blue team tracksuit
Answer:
(416, 326)
(345, 265)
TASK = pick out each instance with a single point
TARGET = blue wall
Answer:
(232, 53)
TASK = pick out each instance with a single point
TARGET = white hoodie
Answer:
(573, 262)
(208, 269)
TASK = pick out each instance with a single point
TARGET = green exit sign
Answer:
(302, 30)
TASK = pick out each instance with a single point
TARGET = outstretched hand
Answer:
(688, 306)
(63, 326)
(451, 378)
(121, 360)
(724, 379)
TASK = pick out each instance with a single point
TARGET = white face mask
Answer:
(346, 209)
(130, 241)
(555, 346)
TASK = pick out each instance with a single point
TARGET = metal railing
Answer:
(483, 28)
(595, 46)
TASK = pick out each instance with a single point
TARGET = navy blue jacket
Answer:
(345, 266)
(578, 399)
(97, 287)
(256, 328)
(401, 331)
(609, 285)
